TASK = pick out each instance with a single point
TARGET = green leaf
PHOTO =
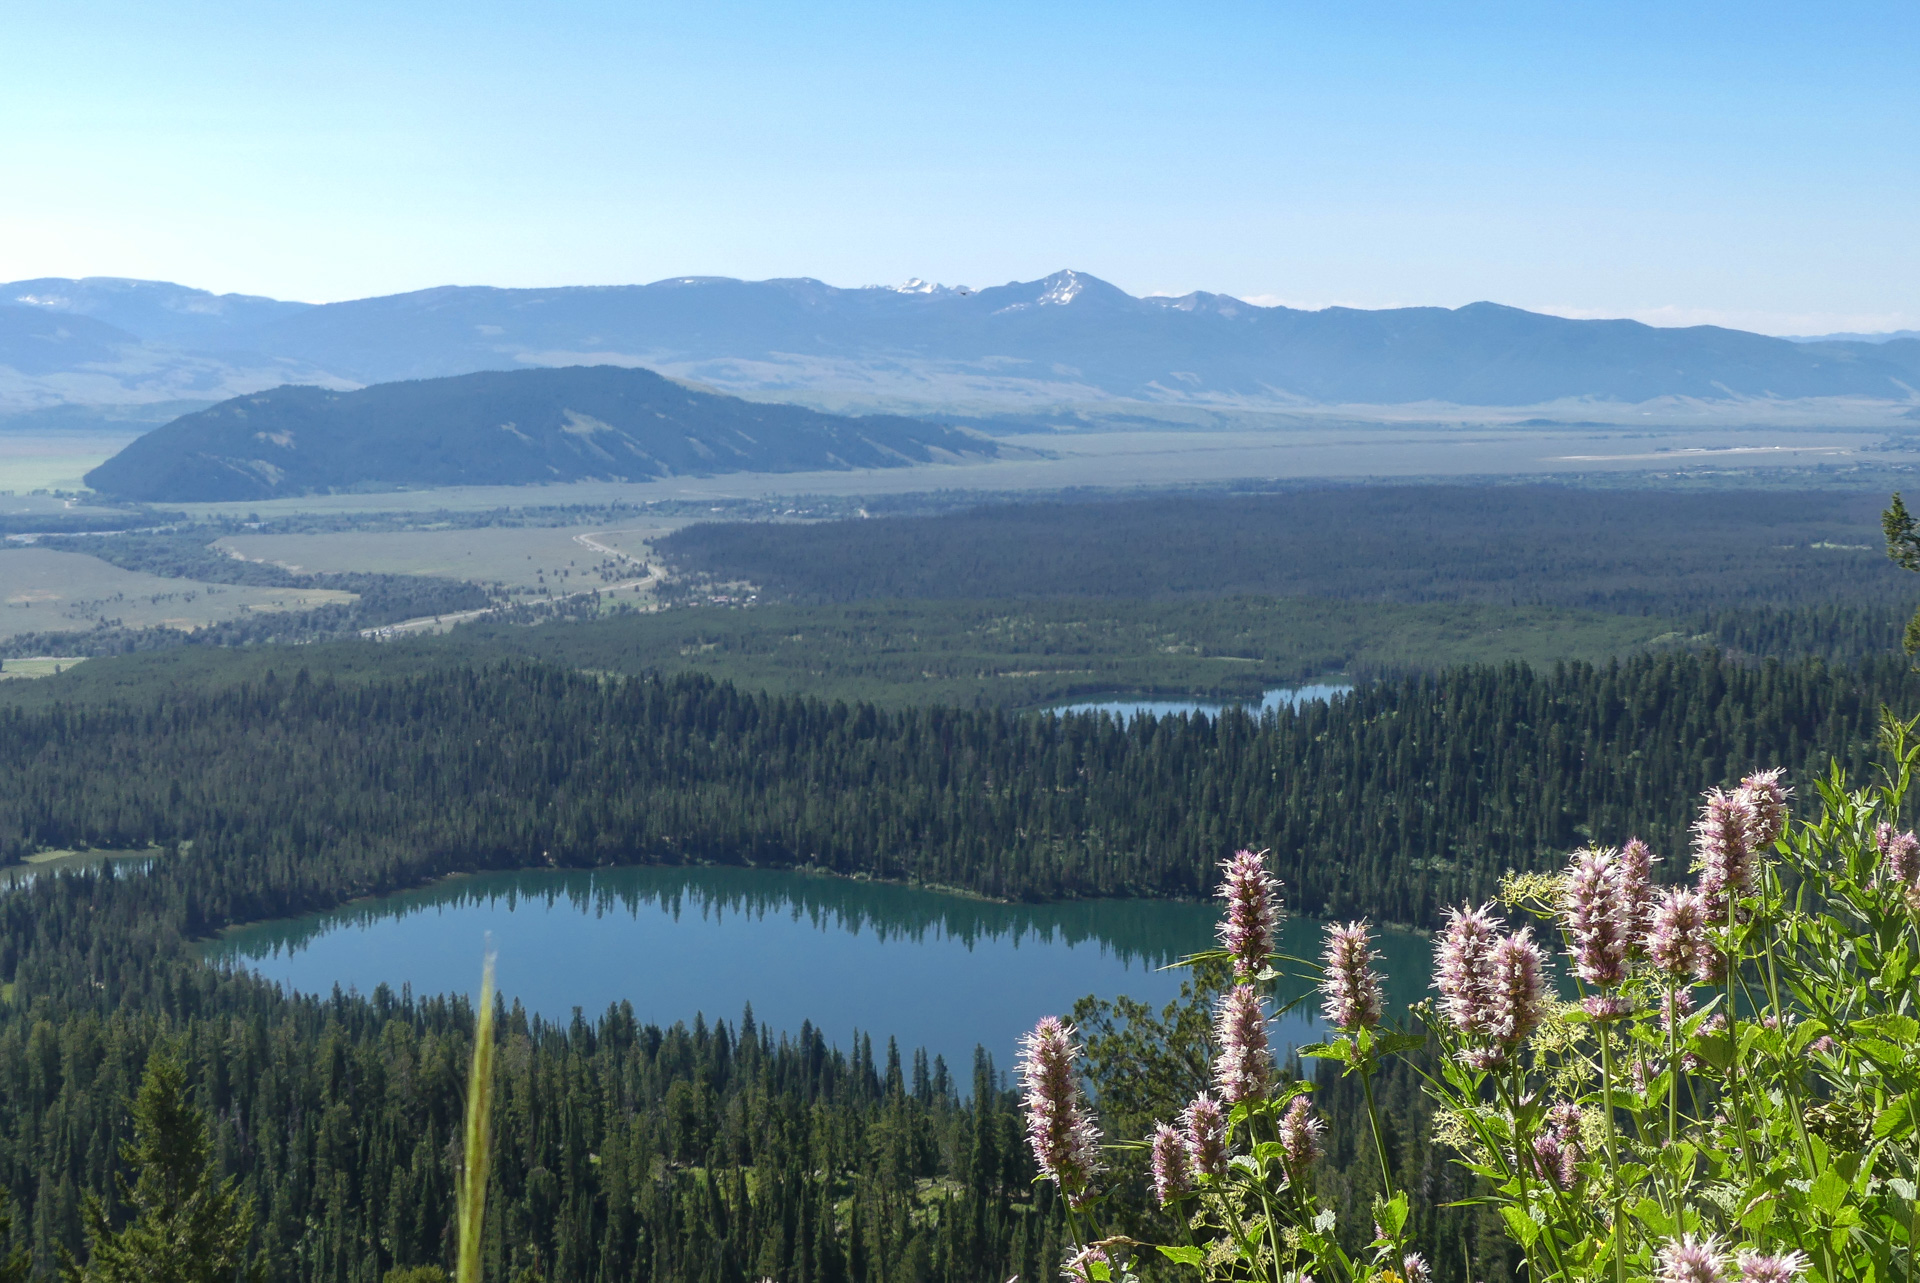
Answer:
(1186, 1256)
(1895, 1117)
(1649, 1213)
(1829, 1191)
(1391, 1215)
(1523, 1227)
(1099, 1271)
(1393, 1044)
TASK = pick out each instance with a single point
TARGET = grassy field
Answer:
(1027, 655)
(70, 861)
(37, 666)
(523, 561)
(46, 591)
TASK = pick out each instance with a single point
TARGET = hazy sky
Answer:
(1742, 163)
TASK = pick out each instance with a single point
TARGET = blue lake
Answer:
(1270, 701)
(930, 969)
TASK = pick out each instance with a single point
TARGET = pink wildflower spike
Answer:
(1597, 917)
(1899, 857)
(1299, 1134)
(1675, 1004)
(1637, 892)
(1462, 969)
(1060, 1126)
(1244, 1069)
(1414, 1268)
(1767, 797)
(1688, 1259)
(1517, 988)
(1172, 1165)
(1822, 1045)
(1251, 922)
(1756, 1267)
(1557, 1153)
(1078, 1267)
(1723, 852)
(1677, 932)
(1351, 985)
(1206, 1124)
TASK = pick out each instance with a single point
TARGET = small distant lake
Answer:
(1271, 701)
(929, 969)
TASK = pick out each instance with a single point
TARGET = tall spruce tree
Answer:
(185, 1228)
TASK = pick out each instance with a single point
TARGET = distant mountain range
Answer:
(1070, 339)
(501, 428)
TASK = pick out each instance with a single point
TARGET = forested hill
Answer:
(1396, 801)
(1624, 551)
(501, 428)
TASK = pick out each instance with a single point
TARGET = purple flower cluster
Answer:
(1414, 1268)
(1722, 847)
(1900, 861)
(1767, 799)
(1244, 1068)
(1599, 918)
(1078, 1267)
(1251, 922)
(1299, 1133)
(1463, 969)
(1635, 864)
(1351, 986)
(1758, 1267)
(1060, 1126)
(1556, 1150)
(1206, 1124)
(1689, 1259)
(1491, 985)
(1677, 941)
(1172, 1165)
(1517, 994)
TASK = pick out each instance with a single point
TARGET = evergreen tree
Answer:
(185, 1229)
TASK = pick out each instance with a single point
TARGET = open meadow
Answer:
(43, 591)
(521, 561)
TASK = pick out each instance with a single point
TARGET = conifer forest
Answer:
(150, 1100)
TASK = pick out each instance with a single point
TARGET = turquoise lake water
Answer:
(929, 969)
(1270, 701)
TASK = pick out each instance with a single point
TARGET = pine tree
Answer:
(185, 1228)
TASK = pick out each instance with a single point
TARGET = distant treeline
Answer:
(1623, 551)
(1396, 801)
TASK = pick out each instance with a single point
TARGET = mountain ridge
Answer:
(1068, 337)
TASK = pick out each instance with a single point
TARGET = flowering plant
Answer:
(1728, 1087)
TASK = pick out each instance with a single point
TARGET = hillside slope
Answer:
(503, 428)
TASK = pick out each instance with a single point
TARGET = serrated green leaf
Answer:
(1895, 1117)
(1828, 1192)
(1186, 1256)
(1391, 1215)
(1523, 1227)
(1649, 1213)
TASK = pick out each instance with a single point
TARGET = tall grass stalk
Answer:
(478, 1149)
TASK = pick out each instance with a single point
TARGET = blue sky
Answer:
(1749, 164)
